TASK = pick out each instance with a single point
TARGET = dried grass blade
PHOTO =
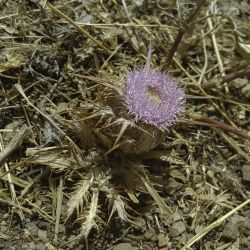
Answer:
(58, 208)
(163, 206)
(125, 125)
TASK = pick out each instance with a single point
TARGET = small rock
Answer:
(42, 234)
(61, 228)
(50, 247)
(150, 234)
(33, 228)
(34, 231)
(124, 246)
(4, 229)
(239, 82)
(26, 233)
(246, 172)
(5, 216)
(177, 229)
(176, 216)
(40, 246)
(162, 241)
(232, 228)
(140, 222)
(247, 224)
(32, 245)
(3, 223)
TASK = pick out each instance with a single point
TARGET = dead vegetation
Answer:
(73, 158)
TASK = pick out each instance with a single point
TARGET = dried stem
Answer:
(187, 24)
(229, 77)
(220, 125)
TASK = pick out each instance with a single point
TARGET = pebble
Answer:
(177, 229)
(233, 227)
(3, 223)
(246, 172)
(125, 246)
(150, 234)
(40, 246)
(42, 234)
(162, 241)
(32, 245)
(4, 229)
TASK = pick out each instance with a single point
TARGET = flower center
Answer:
(153, 95)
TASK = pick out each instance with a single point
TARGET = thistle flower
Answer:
(153, 97)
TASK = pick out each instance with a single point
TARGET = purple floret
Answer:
(153, 98)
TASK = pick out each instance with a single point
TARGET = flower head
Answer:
(153, 97)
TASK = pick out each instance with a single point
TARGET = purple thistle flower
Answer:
(153, 97)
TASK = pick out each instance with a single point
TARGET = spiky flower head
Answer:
(153, 97)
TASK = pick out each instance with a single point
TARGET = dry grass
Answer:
(71, 153)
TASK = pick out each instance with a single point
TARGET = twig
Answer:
(234, 75)
(187, 24)
(220, 125)
(228, 78)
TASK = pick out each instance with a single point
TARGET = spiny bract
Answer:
(153, 97)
